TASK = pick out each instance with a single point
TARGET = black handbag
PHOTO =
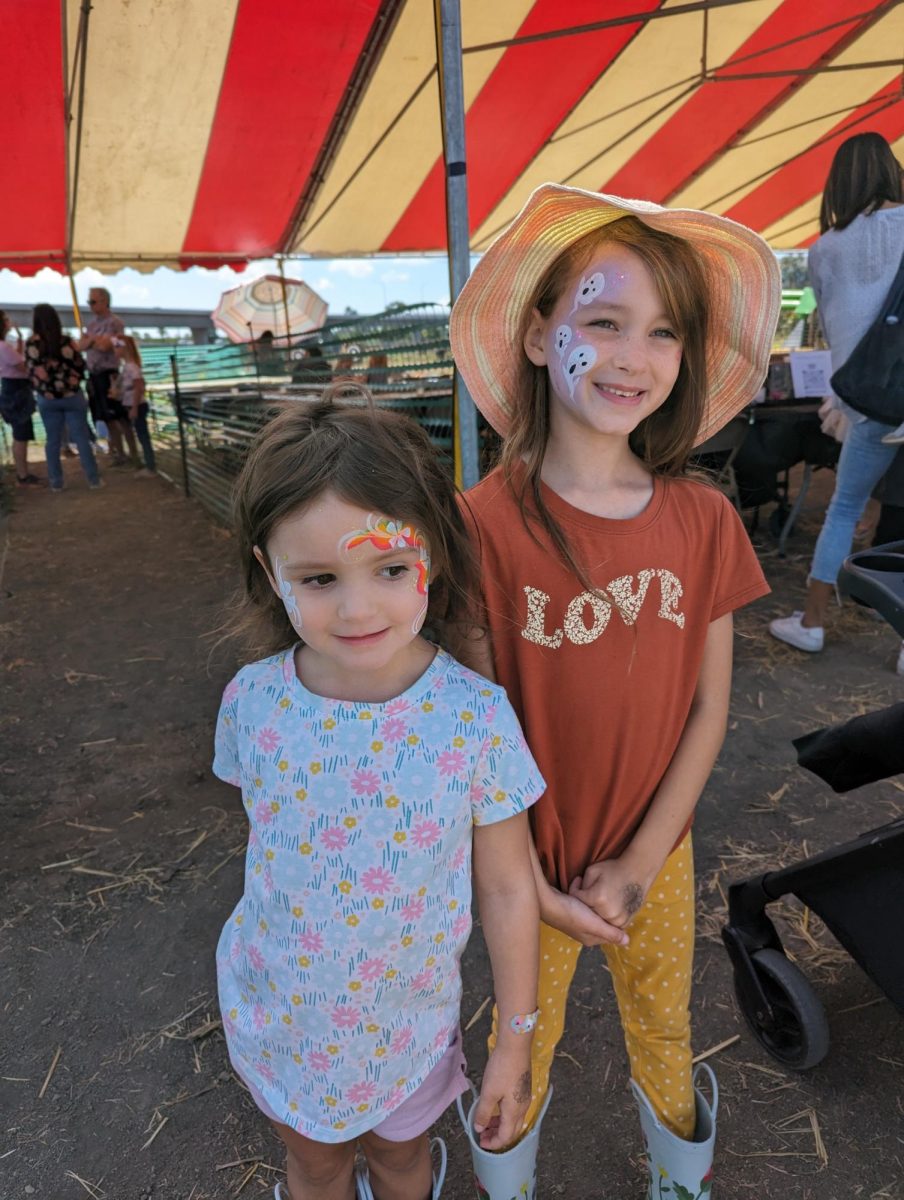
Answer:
(872, 379)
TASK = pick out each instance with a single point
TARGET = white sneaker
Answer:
(790, 630)
(900, 664)
(896, 437)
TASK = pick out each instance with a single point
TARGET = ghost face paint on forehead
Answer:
(611, 350)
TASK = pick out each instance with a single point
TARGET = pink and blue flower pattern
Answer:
(338, 971)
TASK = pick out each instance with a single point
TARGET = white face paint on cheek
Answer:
(287, 592)
(588, 289)
(580, 361)
(420, 582)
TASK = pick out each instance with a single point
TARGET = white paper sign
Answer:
(811, 371)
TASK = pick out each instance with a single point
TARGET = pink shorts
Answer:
(415, 1115)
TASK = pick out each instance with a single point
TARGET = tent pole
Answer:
(452, 104)
(75, 309)
(285, 302)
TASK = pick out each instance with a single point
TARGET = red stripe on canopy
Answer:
(33, 163)
(528, 95)
(718, 113)
(803, 177)
(288, 66)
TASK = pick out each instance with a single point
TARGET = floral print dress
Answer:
(338, 971)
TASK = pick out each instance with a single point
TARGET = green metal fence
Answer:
(208, 402)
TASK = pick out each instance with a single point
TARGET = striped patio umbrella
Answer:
(284, 307)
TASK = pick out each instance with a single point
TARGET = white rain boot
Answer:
(363, 1190)
(680, 1170)
(505, 1174)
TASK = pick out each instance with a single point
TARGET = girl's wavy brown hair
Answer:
(379, 460)
(665, 439)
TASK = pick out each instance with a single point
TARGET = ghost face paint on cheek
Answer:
(575, 357)
(609, 340)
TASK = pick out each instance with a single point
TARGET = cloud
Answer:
(395, 276)
(44, 280)
(133, 291)
(355, 268)
(323, 284)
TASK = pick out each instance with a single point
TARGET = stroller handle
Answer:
(875, 578)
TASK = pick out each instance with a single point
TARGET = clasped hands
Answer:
(598, 905)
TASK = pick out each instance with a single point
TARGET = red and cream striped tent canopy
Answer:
(199, 132)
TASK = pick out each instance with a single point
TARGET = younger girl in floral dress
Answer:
(370, 763)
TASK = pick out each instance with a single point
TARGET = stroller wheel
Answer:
(798, 1034)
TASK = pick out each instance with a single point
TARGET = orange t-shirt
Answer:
(603, 697)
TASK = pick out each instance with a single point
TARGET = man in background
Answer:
(103, 369)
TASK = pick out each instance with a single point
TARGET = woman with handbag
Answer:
(853, 265)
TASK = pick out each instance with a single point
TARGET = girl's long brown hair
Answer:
(665, 439)
(864, 175)
(379, 460)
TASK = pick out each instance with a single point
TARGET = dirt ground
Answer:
(122, 857)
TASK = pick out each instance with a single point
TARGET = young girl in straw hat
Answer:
(604, 339)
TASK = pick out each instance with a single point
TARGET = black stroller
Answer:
(857, 889)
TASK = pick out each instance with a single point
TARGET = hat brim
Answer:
(743, 285)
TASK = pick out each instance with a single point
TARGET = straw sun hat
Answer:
(744, 288)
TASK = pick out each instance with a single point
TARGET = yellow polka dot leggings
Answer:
(652, 978)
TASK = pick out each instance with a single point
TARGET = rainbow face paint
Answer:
(386, 534)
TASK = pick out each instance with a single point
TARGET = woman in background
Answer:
(56, 370)
(852, 266)
(17, 402)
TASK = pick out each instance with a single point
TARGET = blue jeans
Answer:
(863, 462)
(140, 425)
(57, 413)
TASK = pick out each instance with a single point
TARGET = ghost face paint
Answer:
(354, 584)
(612, 353)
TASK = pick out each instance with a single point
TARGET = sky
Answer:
(367, 285)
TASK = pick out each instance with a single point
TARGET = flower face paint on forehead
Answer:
(385, 533)
(286, 591)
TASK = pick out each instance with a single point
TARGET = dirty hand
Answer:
(573, 915)
(504, 1096)
(614, 890)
